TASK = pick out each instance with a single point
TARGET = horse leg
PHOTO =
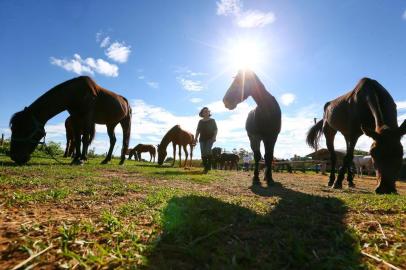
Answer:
(76, 159)
(68, 143)
(269, 149)
(86, 140)
(330, 134)
(186, 154)
(180, 155)
(126, 126)
(191, 155)
(255, 144)
(350, 142)
(174, 153)
(112, 136)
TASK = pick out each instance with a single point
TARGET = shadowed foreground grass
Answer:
(144, 216)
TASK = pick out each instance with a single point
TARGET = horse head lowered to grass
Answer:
(368, 109)
(87, 103)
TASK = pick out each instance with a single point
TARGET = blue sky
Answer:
(170, 58)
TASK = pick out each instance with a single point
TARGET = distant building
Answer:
(324, 155)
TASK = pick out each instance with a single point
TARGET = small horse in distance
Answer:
(368, 109)
(142, 148)
(229, 160)
(216, 154)
(363, 164)
(86, 102)
(263, 123)
(179, 137)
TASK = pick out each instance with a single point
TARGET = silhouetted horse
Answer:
(367, 109)
(180, 137)
(70, 137)
(216, 153)
(263, 123)
(86, 102)
(142, 148)
(229, 159)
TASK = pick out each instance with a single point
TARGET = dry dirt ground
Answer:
(25, 222)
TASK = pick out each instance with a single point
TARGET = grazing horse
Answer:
(263, 123)
(216, 153)
(142, 148)
(180, 137)
(230, 159)
(368, 109)
(86, 102)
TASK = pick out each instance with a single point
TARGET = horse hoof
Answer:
(77, 162)
(351, 185)
(337, 186)
(104, 162)
(121, 162)
(330, 184)
(270, 182)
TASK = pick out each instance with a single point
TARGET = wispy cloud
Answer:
(105, 42)
(244, 18)
(229, 7)
(255, 18)
(401, 105)
(187, 79)
(190, 85)
(153, 84)
(88, 65)
(196, 100)
(287, 99)
(119, 52)
(404, 15)
(141, 77)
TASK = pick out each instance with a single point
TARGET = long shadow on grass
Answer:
(301, 231)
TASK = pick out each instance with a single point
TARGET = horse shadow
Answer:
(298, 231)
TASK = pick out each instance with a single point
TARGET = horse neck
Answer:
(383, 107)
(166, 139)
(49, 104)
(259, 93)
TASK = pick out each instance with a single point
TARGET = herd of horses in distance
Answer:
(368, 109)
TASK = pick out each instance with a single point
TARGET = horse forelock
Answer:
(18, 117)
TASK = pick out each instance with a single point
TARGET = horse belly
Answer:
(109, 110)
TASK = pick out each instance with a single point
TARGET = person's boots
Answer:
(209, 160)
(204, 160)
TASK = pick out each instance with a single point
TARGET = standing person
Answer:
(246, 159)
(207, 129)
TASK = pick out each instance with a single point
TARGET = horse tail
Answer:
(314, 134)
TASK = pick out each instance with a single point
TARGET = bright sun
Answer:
(245, 54)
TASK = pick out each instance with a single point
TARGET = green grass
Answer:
(144, 216)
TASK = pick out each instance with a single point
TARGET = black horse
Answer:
(263, 123)
(216, 153)
(229, 160)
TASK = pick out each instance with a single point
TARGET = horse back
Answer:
(348, 112)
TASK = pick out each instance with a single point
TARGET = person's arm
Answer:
(197, 132)
(215, 129)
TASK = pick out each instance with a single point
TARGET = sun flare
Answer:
(245, 54)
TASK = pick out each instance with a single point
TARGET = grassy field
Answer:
(143, 216)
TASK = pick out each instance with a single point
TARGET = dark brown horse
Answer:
(142, 148)
(180, 137)
(229, 160)
(70, 137)
(86, 102)
(216, 154)
(263, 123)
(368, 109)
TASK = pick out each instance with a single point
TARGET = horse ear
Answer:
(402, 128)
(370, 133)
